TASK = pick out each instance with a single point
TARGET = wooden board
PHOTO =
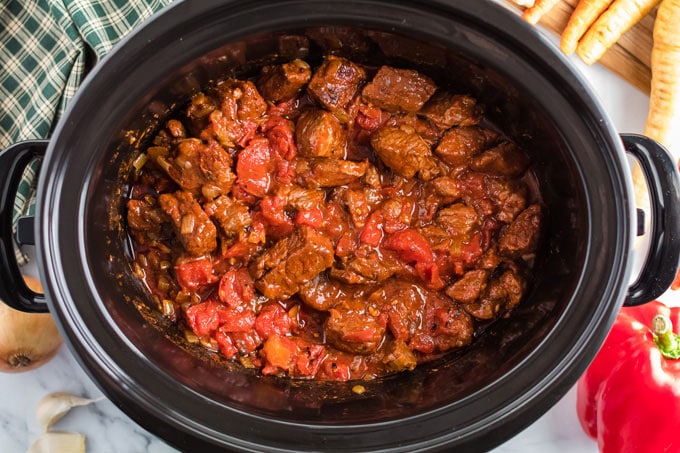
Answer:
(630, 57)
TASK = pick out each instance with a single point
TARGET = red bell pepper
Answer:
(629, 397)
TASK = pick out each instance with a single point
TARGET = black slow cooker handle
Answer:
(663, 182)
(13, 289)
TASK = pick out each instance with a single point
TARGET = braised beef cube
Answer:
(458, 219)
(469, 287)
(335, 83)
(445, 325)
(145, 215)
(405, 305)
(326, 172)
(192, 225)
(352, 328)
(303, 199)
(322, 293)
(319, 134)
(395, 89)
(365, 265)
(291, 262)
(405, 152)
(460, 144)
(446, 187)
(509, 198)
(504, 291)
(283, 82)
(399, 357)
(240, 100)
(521, 236)
(452, 327)
(200, 107)
(504, 159)
(215, 164)
(446, 110)
(233, 216)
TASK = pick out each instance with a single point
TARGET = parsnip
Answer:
(608, 28)
(663, 120)
(584, 15)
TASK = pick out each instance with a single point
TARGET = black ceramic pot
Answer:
(473, 400)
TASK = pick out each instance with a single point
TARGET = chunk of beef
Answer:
(503, 292)
(458, 219)
(395, 89)
(404, 303)
(359, 203)
(404, 152)
(352, 328)
(446, 187)
(504, 198)
(240, 100)
(233, 216)
(291, 262)
(145, 215)
(446, 110)
(366, 265)
(335, 83)
(283, 82)
(322, 293)
(192, 225)
(521, 236)
(199, 167)
(319, 134)
(460, 144)
(504, 159)
(325, 172)
(469, 287)
(444, 326)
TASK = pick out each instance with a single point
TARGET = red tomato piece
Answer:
(254, 166)
(272, 320)
(203, 318)
(410, 245)
(236, 288)
(248, 129)
(226, 345)
(310, 359)
(372, 232)
(312, 217)
(236, 320)
(279, 354)
(274, 214)
(193, 275)
(279, 132)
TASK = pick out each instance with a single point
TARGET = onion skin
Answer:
(27, 340)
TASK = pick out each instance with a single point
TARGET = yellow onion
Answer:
(27, 340)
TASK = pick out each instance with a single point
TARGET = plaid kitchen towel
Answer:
(46, 48)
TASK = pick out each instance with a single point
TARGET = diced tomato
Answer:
(236, 288)
(226, 345)
(372, 232)
(344, 246)
(192, 275)
(279, 353)
(232, 320)
(429, 272)
(203, 318)
(335, 369)
(472, 250)
(283, 108)
(246, 342)
(369, 117)
(310, 359)
(272, 320)
(279, 132)
(254, 166)
(285, 172)
(239, 250)
(248, 129)
(312, 217)
(274, 214)
(410, 245)
(422, 342)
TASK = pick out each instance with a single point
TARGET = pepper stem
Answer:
(667, 341)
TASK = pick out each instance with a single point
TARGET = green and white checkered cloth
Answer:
(46, 49)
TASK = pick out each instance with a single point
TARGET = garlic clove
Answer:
(58, 442)
(55, 405)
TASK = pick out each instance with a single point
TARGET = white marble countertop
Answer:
(107, 429)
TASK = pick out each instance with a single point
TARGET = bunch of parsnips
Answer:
(595, 25)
